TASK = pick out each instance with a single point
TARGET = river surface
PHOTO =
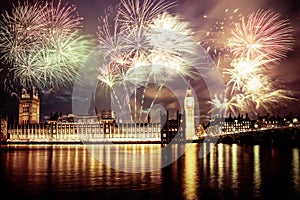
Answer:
(202, 171)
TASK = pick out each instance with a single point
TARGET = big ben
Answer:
(189, 106)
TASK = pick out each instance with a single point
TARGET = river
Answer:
(203, 171)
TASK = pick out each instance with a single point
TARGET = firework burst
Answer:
(133, 13)
(144, 42)
(242, 70)
(173, 43)
(19, 30)
(110, 40)
(256, 43)
(61, 20)
(269, 97)
(221, 104)
(43, 43)
(262, 33)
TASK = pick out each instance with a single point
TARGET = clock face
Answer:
(189, 103)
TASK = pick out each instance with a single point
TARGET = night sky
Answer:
(193, 10)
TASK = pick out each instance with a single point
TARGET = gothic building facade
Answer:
(29, 106)
(96, 126)
(3, 128)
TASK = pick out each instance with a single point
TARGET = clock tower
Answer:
(189, 106)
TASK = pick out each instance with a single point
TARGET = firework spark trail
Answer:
(111, 41)
(25, 70)
(134, 41)
(262, 33)
(268, 97)
(216, 38)
(143, 35)
(257, 42)
(132, 13)
(18, 30)
(43, 43)
(156, 95)
(255, 94)
(173, 44)
(55, 65)
(223, 105)
(114, 75)
(172, 48)
(134, 18)
(112, 81)
(18, 41)
(61, 20)
(242, 70)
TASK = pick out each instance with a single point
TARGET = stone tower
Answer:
(189, 106)
(29, 106)
(3, 128)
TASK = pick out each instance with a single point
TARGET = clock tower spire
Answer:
(189, 106)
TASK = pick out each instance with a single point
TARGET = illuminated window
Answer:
(25, 108)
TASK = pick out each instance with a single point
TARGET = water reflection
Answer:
(234, 164)
(129, 158)
(212, 161)
(220, 166)
(296, 167)
(227, 171)
(190, 173)
(256, 173)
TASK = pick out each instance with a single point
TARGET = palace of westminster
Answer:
(99, 127)
(102, 127)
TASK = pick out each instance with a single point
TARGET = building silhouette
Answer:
(182, 128)
(172, 129)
